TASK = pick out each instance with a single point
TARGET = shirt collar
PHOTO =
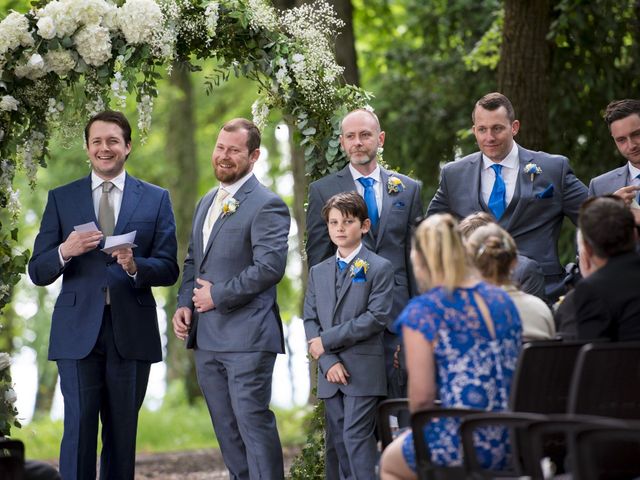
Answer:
(118, 181)
(510, 161)
(633, 171)
(356, 174)
(232, 188)
(351, 256)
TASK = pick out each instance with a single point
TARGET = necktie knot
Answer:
(497, 169)
(366, 182)
(107, 186)
(342, 265)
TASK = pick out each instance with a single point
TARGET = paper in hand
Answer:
(86, 227)
(113, 243)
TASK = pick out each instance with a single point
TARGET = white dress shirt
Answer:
(377, 186)
(633, 174)
(351, 256)
(510, 168)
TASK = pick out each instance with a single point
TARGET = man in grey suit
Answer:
(346, 309)
(623, 119)
(397, 203)
(227, 307)
(529, 193)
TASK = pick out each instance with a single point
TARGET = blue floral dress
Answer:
(473, 369)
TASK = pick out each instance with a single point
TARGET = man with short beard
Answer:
(393, 203)
(227, 309)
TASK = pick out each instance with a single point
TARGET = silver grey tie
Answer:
(106, 216)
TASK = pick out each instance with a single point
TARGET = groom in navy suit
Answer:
(529, 193)
(104, 331)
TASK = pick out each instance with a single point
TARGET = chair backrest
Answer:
(395, 407)
(606, 380)
(543, 376)
(11, 459)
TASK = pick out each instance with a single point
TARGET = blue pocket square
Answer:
(546, 193)
(398, 205)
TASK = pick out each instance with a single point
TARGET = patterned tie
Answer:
(106, 216)
(497, 203)
(342, 265)
(370, 199)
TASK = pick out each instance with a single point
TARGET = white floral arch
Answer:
(107, 51)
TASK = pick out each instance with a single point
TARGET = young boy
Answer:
(347, 307)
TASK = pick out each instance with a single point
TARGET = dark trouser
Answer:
(102, 384)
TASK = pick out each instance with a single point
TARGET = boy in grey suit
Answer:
(227, 307)
(347, 307)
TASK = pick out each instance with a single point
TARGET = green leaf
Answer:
(309, 131)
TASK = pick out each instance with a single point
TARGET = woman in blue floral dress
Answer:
(462, 338)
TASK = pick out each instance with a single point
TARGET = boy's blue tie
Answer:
(370, 199)
(342, 265)
(497, 203)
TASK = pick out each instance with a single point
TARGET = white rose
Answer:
(8, 103)
(46, 28)
(10, 396)
(36, 61)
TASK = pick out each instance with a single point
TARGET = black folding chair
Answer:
(11, 459)
(386, 409)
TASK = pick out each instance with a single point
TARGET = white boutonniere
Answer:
(359, 270)
(229, 206)
(394, 185)
(532, 169)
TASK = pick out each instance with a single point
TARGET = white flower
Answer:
(261, 15)
(59, 61)
(94, 106)
(211, 13)
(260, 112)
(62, 15)
(5, 360)
(10, 396)
(46, 28)
(8, 103)
(297, 58)
(93, 44)
(145, 109)
(140, 20)
(34, 68)
(89, 12)
(14, 32)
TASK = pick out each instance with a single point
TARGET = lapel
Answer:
(346, 285)
(240, 196)
(130, 198)
(473, 171)
(200, 217)
(525, 187)
(620, 178)
(327, 273)
(84, 204)
(387, 201)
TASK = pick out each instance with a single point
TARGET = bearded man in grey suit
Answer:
(623, 119)
(529, 193)
(227, 308)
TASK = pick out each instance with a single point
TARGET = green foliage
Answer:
(309, 464)
(8, 411)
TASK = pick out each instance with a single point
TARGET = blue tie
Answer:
(370, 199)
(497, 203)
(638, 197)
(342, 265)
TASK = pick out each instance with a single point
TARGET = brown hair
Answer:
(492, 251)
(607, 225)
(493, 101)
(253, 134)
(471, 223)
(437, 245)
(350, 204)
(110, 116)
(619, 109)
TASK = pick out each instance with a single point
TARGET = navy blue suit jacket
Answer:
(77, 315)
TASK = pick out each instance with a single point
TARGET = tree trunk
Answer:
(523, 71)
(181, 150)
(345, 43)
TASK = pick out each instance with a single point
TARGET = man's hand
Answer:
(627, 193)
(124, 256)
(181, 322)
(396, 357)
(202, 296)
(77, 244)
(338, 374)
(316, 349)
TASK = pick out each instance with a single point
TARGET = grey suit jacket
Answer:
(609, 182)
(350, 323)
(393, 239)
(245, 259)
(535, 214)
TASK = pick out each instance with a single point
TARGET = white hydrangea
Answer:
(8, 103)
(262, 15)
(14, 32)
(211, 13)
(90, 12)
(140, 20)
(33, 69)
(260, 112)
(59, 61)
(62, 15)
(93, 43)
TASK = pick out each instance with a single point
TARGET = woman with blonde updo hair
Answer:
(493, 252)
(462, 340)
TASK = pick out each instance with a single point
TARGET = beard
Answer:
(230, 176)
